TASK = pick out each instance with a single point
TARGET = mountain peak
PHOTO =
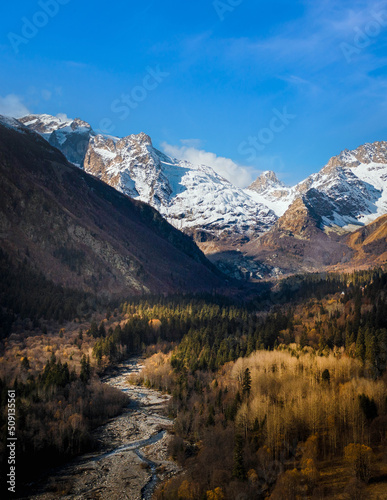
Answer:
(365, 154)
(133, 141)
(143, 138)
(350, 190)
(43, 123)
(102, 242)
(71, 136)
(267, 180)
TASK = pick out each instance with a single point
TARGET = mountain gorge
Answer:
(95, 270)
(82, 233)
(265, 230)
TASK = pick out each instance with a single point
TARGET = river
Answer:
(133, 454)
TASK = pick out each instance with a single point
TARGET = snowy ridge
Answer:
(268, 190)
(12, 123)
(44, 124)
(190, 197)
(68, 135)
(350, 190)
(352, 186)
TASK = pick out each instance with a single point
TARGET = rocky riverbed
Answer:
(132, 456)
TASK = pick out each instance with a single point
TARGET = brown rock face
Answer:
(376, 153)
(297, 244)
(298, 221)
(370, 242)
(264, 181)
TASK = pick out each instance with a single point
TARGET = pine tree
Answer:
(239, 471)
(360, 349)
(85, 369)
(326, 377)
(25, 364)
(102, 330)
(246, 383)
(370, 351)
(93, 329)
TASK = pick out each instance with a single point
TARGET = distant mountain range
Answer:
(192, 198)
(264, 230)
(83, 233)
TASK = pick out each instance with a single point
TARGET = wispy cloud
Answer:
(12, 105)
(194, 143)
(237, 174)
(310, 43)
(63, 117)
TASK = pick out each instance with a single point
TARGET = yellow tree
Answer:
(216, 494)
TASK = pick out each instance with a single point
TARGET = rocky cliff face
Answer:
(82, 233)
(267, 182)
(71, 137)
(348, 192)
(312, 233)
(369, 243)
(351, 188)
(192, 198)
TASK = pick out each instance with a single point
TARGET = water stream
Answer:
(115, 471)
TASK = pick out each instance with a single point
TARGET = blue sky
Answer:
(242, 85)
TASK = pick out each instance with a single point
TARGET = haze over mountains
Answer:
(264, 230)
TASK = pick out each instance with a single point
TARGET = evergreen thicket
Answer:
(26, 293)
(252, 384)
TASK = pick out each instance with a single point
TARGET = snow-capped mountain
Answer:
(69, 136)
(191, 197)
(268, 190)
(83, 234)
(351, 190)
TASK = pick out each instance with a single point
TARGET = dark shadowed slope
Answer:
(82, 233)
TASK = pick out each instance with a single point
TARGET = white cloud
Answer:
(63, 117)
(238, 175)
(12, 105)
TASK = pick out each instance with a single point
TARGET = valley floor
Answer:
(133, 450)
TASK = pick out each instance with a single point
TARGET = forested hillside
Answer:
(276, 398)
